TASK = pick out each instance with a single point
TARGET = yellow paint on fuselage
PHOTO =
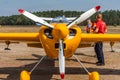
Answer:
(71, 42)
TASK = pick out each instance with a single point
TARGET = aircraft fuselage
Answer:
(49, 39)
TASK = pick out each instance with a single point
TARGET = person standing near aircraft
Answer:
(100, 29)
(88, 26)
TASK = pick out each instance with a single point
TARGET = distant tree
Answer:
(111, 17)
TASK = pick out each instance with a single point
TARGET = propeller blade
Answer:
(61, 60)
(84, 16)
(34, 18)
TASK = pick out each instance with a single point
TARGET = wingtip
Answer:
(62, 75)
(97, 8)
(21, 11)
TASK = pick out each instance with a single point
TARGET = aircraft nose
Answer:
(60, 31)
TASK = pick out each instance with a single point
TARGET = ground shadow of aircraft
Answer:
(43, 72)
(46, 69)
(69, 59)
(82, 54)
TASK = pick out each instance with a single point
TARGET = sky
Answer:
(10, 7)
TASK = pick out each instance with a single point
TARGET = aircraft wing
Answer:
(71, 18)
(99, 37)
(46, 19)
(34, 37)
(50, 19)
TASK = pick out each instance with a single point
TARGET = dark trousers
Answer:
(99, 51)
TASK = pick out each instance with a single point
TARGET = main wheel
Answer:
(94, 76)
(25, 75)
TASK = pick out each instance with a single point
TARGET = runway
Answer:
(21, 57)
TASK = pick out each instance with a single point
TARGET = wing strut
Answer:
(25, 75)
(93, 75)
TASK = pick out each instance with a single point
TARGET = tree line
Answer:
(111, 17)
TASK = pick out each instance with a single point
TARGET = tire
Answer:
(94, 76)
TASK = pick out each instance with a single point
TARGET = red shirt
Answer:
(101, 25)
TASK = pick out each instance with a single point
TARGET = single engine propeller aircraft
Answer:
(59, 40)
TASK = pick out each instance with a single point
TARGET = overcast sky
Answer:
(10, 7)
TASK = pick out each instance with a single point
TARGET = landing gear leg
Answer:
(111, 45)
(93, 75)
(25, 75)
(7, 43)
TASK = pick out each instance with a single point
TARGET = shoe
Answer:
(100, 64)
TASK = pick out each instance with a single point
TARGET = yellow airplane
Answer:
(59, 40)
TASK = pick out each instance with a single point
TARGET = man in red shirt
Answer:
(100, 29)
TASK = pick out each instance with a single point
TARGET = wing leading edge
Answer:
(35, 37)
(99, 37)
(20, 36)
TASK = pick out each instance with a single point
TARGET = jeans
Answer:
(99, 51)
